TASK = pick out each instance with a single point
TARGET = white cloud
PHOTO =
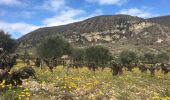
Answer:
(107, 2)
(22, 14)
(69, 16)
(10, 2)
(54, 5)
(22, 28)
(64, 15)
(64, 18)
(144, 13)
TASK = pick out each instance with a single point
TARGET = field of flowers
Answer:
(82, 84)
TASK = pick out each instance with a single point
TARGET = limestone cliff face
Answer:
(109, 30)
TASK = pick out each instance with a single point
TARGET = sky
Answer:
(19, 17)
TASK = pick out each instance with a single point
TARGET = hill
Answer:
(163, 20)
(117, 32)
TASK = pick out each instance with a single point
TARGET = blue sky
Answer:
(18, 17)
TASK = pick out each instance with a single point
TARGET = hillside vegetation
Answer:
(118, 32)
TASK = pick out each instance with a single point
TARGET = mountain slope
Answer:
(163, 20)
(95, 24)
(113, 31)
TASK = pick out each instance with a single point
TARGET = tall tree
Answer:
(163, 57)
(150, 58)
(7, 43)
(78, 54)
(54, 47)
(98, 55)
(127, 57)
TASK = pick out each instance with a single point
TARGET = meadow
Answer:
(82, 84)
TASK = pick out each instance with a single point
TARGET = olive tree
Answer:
(7, 43)
(151, 59)
(98, 55)
(78, 54)
(127, 58)
(54, 47)
(163, 57)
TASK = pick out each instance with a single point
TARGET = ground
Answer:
(82, 84)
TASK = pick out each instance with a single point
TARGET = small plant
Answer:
(9, 92)
(165, 93)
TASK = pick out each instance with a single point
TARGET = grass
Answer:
(13, 93)
(82, 84)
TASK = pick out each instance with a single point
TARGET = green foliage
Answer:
(98, 54)
(9, 92)
(78, 54)
(163, 57)
(26, 55)
(150, 58)
(127, 57)
(7, 43)
(54, 47)
(165, 93)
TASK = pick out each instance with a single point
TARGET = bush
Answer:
(7, 43)
(54, 47)
(150, 58)
(78, 54)
(163, 57)
(8, 92)
(98, 55)
(127, 57)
